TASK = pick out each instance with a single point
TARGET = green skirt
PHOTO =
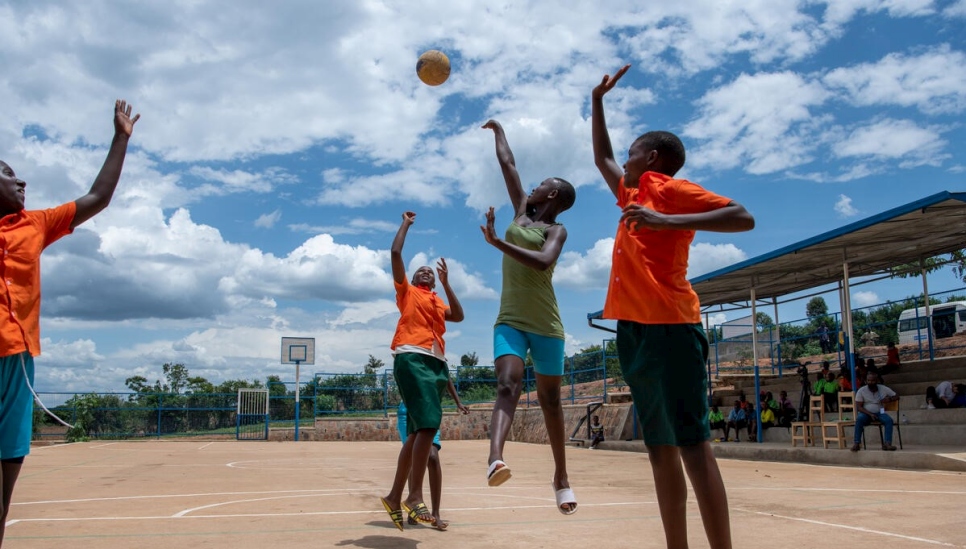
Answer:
(421, 380)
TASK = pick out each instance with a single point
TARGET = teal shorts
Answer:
(665, 367)
(547, 352)
(16, 405)
(401, 426)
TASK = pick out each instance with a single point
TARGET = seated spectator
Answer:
(933, 401)
(945, 393)
(716, 419)
(845, 385)
(830, 393)
(959, 399)
(786, 410)
(825, 368)
(892, 360)
(818, 388)
(737, 420)
(596, 433)
(743, 401)
(768, 418)
(770, 400)
(752, 424)
(870, 404)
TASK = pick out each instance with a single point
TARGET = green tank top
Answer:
(527, 302)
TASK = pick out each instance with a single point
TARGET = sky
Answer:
(280, 143)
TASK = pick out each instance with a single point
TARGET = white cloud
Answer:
(933, 81)
(956, 9)
(715, 319)
(706, 258)
(865, 299)
(844, 207)
(267, 221)
(588, 270)
(763, 122)
(889, 139)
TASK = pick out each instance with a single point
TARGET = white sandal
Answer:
(498, 473)
(563, 497)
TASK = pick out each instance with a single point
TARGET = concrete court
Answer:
(197, 493)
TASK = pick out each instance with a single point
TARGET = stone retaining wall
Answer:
(528, 426)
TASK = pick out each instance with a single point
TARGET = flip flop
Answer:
(395, 514)
(563, 497)
(498, 473)
(417, 511)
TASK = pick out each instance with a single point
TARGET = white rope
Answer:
(23, 366)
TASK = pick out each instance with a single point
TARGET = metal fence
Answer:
(127, 415)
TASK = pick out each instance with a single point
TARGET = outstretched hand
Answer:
(609, 82)
(123, 123)
(442, 273)
(462, 408)
(489, 231)
(492, 125)
(409, 217)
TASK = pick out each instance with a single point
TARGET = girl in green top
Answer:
(529, 318)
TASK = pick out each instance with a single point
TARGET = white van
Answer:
(947, 319)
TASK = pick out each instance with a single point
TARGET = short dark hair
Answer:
(566, 193)
(669, 148)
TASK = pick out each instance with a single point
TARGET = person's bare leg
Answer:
(435, 471)
(403, 473)
(9, 471)
(509, 385)
(423, 441)
(672, 493)
(702, 469)
(548, 393)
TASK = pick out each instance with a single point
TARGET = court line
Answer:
(848, 527)
(310, 513)
(209, 444)
(103, 445)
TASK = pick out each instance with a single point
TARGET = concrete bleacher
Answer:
(919, 426)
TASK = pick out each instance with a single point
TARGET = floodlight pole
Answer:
(297, 364)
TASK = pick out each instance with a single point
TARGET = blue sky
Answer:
(280, 143)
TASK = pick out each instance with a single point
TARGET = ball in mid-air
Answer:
(433, 67)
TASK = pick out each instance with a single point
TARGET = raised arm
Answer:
(509, 167)
(733, 218)
(603, 152)
(455, 311)
(104, 184)
(541, 259)
(395, 253)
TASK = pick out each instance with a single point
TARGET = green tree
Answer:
(816, 307)
(763, 321)
(469, 359)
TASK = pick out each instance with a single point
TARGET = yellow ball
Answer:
(433, 67)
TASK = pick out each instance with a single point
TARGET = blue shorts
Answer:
(547, 352)
(401, 426)
(16, 405)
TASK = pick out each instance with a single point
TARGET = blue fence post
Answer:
(160, 398)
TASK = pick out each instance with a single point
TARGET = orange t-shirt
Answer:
(648, 277)
(23, 236)
(422, 317)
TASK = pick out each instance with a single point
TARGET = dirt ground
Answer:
(186, 494)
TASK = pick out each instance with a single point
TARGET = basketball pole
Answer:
(297, 364)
